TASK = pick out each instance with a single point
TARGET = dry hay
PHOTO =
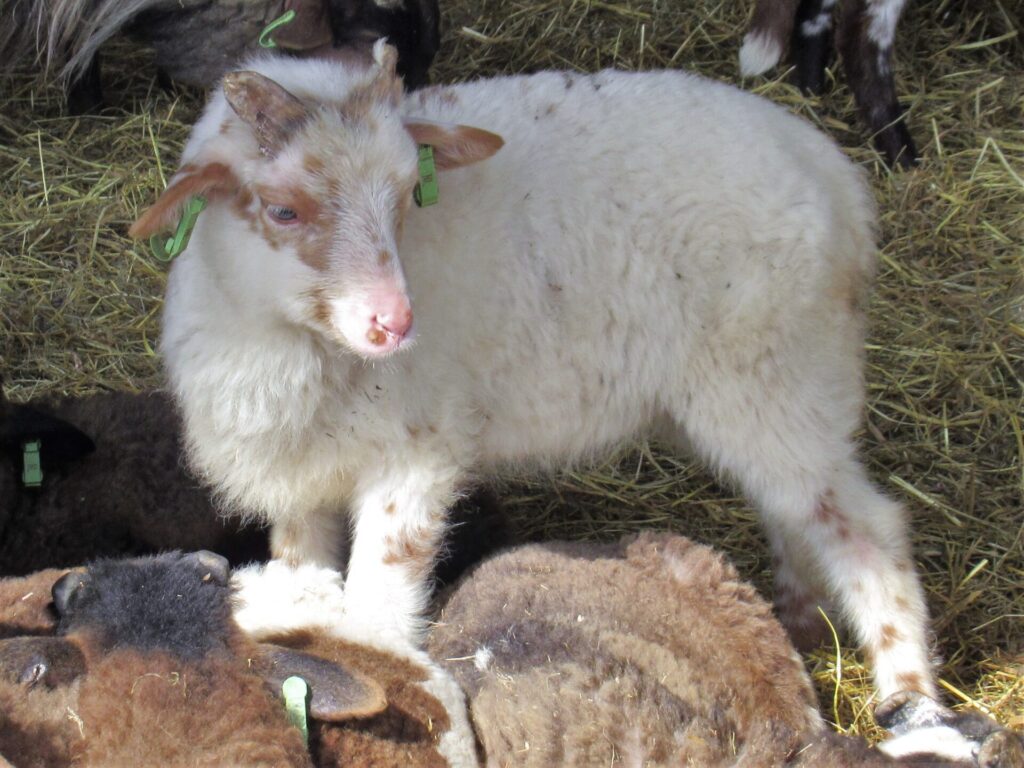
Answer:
(79, 302)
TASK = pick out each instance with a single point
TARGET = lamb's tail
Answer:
(768, 36)
(62, 36)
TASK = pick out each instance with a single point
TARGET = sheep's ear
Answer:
(67, 589)
(61, 442)
(454, 145)
(269, 110)
(32, 661)
(311, 27)
(336, 693)
(191, 180)
(211, 565)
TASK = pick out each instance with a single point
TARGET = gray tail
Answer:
(62, 36)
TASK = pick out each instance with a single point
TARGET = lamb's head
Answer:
(309, 167)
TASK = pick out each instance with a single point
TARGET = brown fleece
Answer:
(38, 729)
(404, 734)
(24, 604)
(209, 714)
(651, 650)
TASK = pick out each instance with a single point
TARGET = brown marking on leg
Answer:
(888, 637)
(911, 681)
(413, 550)
(902, 603)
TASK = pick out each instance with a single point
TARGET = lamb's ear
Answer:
(191, 180)
(454, 145)
(269, 110)
(61, 441)
(32, 661)
(311, 27)
(336, 693)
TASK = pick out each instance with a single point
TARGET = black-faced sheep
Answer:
(148, 663)
(653, 652)
(594, 280)
(864, 37)
(196, 41)
(113, 483)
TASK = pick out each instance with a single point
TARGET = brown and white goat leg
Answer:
(812, 43)
(866, 33)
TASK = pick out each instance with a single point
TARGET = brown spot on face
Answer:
(390, 508)
(888, 637)
(321, 308)
(414, 432)
(225, 127)
(902, 603)
(312, 163)
(911, 681)
(376, 336)
(383, 257)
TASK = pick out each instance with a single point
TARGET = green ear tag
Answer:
(32, 471)
(265, 40)
(426, 192)
(296, 698)
(164, 248)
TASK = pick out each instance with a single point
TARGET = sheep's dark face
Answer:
(322, 189)
(171, 602)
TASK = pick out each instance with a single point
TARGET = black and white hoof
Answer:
(922, 729)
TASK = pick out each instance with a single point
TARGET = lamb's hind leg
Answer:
(796, 464)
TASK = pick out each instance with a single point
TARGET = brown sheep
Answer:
(650, 652)
(147, 661)
(114, 483)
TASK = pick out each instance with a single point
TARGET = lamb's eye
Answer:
(282, 215)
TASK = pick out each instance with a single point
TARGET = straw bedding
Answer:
(80, 302)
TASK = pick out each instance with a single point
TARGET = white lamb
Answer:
(647, 254)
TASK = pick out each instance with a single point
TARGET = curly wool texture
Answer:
(573, 654)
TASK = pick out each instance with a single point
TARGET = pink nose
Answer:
(396, 320)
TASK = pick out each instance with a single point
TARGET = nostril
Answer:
(397, 323)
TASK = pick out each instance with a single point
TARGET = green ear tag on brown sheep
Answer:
(266, 39)
(32, 468)
(296, 704)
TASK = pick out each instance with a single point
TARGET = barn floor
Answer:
(80, 302)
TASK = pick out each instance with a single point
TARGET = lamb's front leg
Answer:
(399, 523)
